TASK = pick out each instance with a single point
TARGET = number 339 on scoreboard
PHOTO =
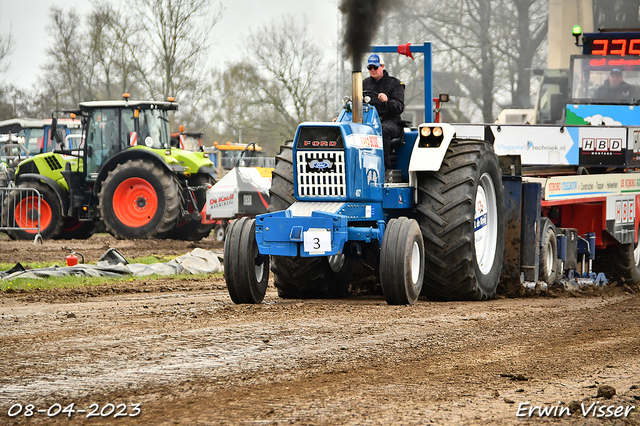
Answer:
(317, 241)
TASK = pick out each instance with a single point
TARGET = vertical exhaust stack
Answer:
(362, 19)
(356, 94)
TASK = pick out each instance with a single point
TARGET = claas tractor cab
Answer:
(121, 171)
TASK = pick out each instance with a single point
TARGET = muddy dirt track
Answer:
(181, 350)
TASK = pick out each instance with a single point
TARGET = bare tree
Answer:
(6, 47)
(178, 35)
(68, 64)
(103, 46)
(237, 109)
(616, 13)
(523, 26)
(485, 48)
(114, 40)
(462, 34)
(294, 86)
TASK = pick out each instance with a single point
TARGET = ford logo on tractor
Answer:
(320, 164)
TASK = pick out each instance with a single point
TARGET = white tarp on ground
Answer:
(199, 261)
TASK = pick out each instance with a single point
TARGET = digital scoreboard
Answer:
(611, 44)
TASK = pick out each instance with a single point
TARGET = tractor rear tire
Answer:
(23, 212)
(246, 272)
(402, 262)
(282, 180)
(139, 199)
(548, 255)
(619, 263)
(76, 229)
(195, 230)
(461, 216)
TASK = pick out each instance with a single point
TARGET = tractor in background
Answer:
(120, 171)
(21, 138)
(229, 155)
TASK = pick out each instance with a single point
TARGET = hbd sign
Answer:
(625, 211)
(599, 145)
(602, 151)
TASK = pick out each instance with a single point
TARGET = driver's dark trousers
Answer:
(390, 130)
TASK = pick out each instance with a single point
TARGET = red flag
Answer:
(405, 49)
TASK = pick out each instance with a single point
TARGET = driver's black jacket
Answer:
(394, 89)
(623, 91)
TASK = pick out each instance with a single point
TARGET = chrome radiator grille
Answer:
(321, 174)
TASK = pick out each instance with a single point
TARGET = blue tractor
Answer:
(436, 227)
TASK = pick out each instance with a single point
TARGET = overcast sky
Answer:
(28, 20)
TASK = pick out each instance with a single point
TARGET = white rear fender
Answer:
(431, 146)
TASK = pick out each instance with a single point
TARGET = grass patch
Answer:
(21, 284)
(147, 260)
(82, 281)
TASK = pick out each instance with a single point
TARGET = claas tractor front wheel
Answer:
(139, 199)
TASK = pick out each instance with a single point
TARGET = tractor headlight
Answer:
(430, 137)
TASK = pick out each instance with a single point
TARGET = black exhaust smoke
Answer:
(362, 20)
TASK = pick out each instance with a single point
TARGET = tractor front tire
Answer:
(461, 216)
(22, 207)
(246, 271)
(402, 262)
(139, 199)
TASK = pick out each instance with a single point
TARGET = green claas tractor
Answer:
(121, 171)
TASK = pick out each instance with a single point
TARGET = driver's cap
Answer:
(375, 60)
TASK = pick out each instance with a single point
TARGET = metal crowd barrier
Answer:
(20, 210)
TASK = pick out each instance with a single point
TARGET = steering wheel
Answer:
(374, 95)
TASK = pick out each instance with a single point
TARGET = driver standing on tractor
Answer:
(389, 103)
